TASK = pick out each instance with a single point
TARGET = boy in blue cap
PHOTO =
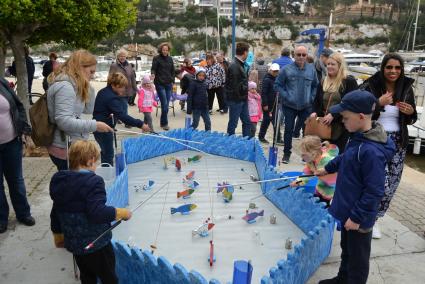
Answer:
(359, 185)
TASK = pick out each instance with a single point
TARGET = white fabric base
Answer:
(261, 242)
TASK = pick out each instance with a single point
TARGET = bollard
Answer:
(242, 272)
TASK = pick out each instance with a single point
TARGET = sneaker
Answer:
(166, 127)
(376, 232)
(263, 140)
(210, 112)
(28, 221)
(285, 158)
(218, 110)
(3, 228)
(335, 280)
(128, 126)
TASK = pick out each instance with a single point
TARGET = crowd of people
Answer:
(368, 124)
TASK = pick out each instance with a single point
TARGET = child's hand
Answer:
(350, 225)
(122, 213)
(320, 172)
(146, 128)
(59, 240)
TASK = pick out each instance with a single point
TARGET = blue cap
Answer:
(326, 52)
(356, 101)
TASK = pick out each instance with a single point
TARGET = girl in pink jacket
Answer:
(254, 106)
(146, 100)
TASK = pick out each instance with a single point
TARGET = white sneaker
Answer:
(376, 232)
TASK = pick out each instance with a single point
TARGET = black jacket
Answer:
(30, 71)
(107, 103)
(17, 110)
(268, 94)
(185, 82)
(79, 210)
(197, 96)
(236, 87)
(163, 69)
(403, 93)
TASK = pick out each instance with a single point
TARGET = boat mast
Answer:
(218, 26)
(416, 25)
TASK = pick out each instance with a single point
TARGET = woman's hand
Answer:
(386, 99)
(328, 119)
(103, 127)
(351, 226)
(314, 115)
(146, 128)
(405, 108)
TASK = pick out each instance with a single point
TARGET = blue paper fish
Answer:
(184, 209)
(250, 217)
(192, 184)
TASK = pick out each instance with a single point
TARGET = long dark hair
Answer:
(387, 58)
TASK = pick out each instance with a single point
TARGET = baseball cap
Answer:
(274, 67)
(357, 101)
(326, 52)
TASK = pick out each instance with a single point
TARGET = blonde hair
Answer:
(81, 152)
(313, 145)
(334, 84)
(117, 79)
(73, 68)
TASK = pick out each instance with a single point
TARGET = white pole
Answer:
(218, 26)
(416, 25)
(206, 35)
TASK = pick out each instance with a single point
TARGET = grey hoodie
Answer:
(65, 109)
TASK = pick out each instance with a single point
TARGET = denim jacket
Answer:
(297, 87)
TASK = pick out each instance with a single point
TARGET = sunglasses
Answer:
(301, 54)
(390, 67)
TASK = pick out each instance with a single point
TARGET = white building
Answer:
(225, 6)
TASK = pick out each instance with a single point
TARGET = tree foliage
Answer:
(76, 22)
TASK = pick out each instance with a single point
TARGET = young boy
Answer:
(359, 184)
(197, 100)
(79, 214)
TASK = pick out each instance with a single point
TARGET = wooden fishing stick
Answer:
(155, 134)
(263, 181)
(90, 245)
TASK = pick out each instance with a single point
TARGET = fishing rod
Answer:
(90, 245)
(276, 189)
(263, 181)
(156, 134)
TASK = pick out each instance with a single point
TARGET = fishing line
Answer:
(157, 135)
(154, 246)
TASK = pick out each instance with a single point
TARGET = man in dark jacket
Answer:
(236, 89)
(48, 67)
(269, 104)
(359, 185)
(262, 70)
(197, 100)
(163, 73)
(30, 71)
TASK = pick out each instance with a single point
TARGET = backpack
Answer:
(43, 130)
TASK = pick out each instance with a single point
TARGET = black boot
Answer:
(335, 280)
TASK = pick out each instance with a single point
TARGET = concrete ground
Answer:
(27, 254)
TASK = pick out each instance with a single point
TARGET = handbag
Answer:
(315, 126)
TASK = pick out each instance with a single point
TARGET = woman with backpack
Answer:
(68, 97)
(14, 131)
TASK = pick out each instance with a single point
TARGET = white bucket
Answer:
(107, 173)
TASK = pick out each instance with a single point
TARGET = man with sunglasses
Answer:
(297, 84)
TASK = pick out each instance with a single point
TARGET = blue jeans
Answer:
(290, 114)
(164, 94)
(238, 110)
(106, 143)
(197, 113)
(11, 169)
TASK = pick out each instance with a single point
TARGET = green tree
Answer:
(78, 23)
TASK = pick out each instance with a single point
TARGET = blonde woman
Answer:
(332, 89)
(68, 98)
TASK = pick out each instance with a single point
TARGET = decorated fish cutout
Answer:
(178, 165)
(190, 175)
(184, 209)
(203, 229)
(149, 185)
(185, 193)
(195, 158)
(250, 217)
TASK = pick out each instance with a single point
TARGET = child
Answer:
(79, 214)
(147, 100)
(108, 109)
(359, 185)
(197, 100)
(254, 106)
(316, 155)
